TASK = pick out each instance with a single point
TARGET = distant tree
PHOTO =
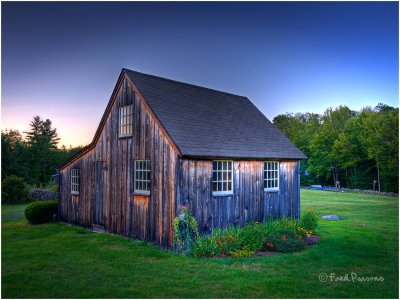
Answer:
(380, 137)
(42, 140)
(14, 154)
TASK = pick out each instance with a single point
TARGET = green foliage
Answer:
(242, 252)
(236, 241)
(348, 146)
(220, 242)
(185, 229)
(284, 242)
(251, 236)
(41, 211)
(14, 190)
(309, 220)
(36, 158)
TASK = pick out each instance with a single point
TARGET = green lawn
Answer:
(60, 261)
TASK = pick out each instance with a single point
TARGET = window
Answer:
(142, 177)
(126, 120)
(75, 181)
(271, 175)
(222, 177)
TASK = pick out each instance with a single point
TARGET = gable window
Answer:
(142, 177)
(126, 120)
(271, 176)
(75, 181)
(222, 177)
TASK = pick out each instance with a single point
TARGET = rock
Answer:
(331, 217)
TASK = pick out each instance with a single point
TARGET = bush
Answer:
(41, 212)
(281, 235)
(185, 229)
(242, 252)
(220, 242)
(309, 220)
(286, 242)
(252, 236)
(14, 190)
(39, 194)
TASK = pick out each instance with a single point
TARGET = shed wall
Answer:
(249, 201)
(107, 172)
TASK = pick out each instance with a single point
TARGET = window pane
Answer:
(214, 186)
(219, 186)
(229, 186)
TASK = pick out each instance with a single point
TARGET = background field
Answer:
(61, 261)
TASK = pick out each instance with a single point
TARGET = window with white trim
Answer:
(222, 177)
(126, 120)
(75, 181)
(142, 177)
(271, 175)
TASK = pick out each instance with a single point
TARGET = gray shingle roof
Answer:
(209, 123)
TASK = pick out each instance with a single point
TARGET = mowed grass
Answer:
(61, 261)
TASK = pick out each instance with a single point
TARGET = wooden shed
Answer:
(163, 143)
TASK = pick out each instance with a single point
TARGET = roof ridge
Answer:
(181, 82)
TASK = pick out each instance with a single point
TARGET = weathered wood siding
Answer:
(106, 173)
(249, 201)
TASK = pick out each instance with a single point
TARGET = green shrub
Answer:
(252, 235)
(14, 190)
(185, 229)
(309, 220)
(218, 243)
(242, 252)
(41, 211)
(245, 241)
(284, 242)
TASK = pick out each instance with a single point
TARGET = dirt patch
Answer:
(265, 253)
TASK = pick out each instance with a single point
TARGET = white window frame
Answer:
(220, 177)
(125, 121)
(75, 181)
(141, 168)
(276, 176)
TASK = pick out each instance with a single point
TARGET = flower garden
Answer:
(254, 239)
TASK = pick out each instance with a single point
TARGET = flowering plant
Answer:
(269, 245)
(303, 232)
(283, 238)
(185, 228)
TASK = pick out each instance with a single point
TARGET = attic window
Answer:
(142, 177)
(126, 120)
(222, 177)
(271, 176)
(75, 181)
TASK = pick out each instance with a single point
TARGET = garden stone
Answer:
(331, 217)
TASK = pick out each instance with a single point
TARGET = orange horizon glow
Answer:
(72, 132)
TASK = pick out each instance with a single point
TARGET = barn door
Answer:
(98, 194)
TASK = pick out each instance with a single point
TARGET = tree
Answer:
(380, 138)
(14, 154)
(43, 140)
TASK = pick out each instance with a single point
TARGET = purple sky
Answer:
(62, 60)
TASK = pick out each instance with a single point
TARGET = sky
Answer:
(62, 60)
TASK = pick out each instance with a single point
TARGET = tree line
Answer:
(356, 148)
(36, 157)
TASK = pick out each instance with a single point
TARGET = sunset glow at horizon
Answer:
(61, 61)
